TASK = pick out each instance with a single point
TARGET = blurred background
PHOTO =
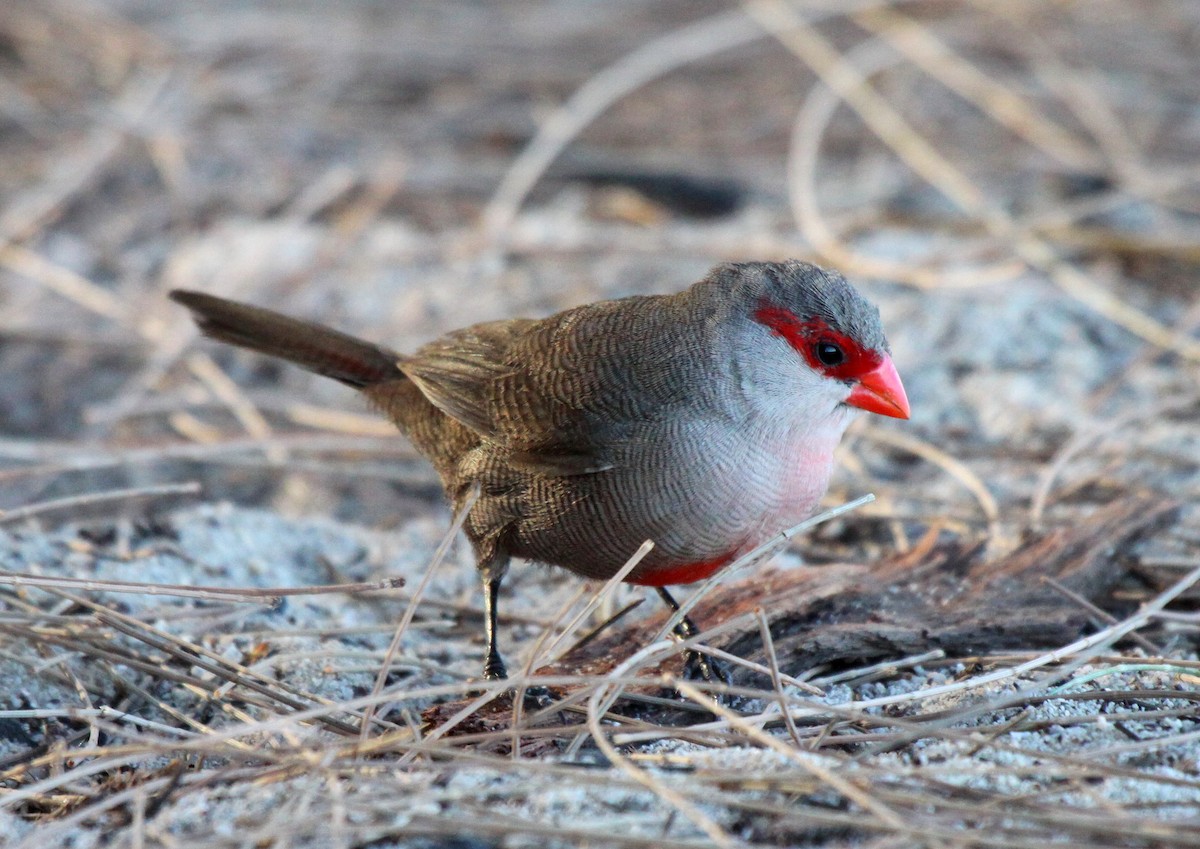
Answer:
(1014, 182)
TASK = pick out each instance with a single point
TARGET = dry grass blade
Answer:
(760, 553)
(76, 502)
(197, 656)
(949, 599)
(260, 595)
(844, 78)
(598, 705)
(919, 45)
(62, 281)
(1100, 614)
(1077, 652)
(74, 170)
(847, 81)
(804, 759)
(231, 395)
(698, 40)
(552, 652)
(410, 609)
(957, 470)
(1087, 437)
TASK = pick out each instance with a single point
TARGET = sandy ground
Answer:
(1017, 189)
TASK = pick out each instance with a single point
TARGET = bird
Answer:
(704, 421)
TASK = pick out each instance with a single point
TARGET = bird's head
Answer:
(814, 335)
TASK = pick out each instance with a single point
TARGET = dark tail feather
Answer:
(307, 344)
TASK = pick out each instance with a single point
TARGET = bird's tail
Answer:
(309, 345)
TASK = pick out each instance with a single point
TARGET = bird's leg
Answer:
(493, 663)
(698, 666)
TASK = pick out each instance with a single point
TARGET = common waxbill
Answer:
(705, 420)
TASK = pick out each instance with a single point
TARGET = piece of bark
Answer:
(941, 597)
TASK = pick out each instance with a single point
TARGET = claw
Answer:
(494, 669)
(537, 698)
(700, 667)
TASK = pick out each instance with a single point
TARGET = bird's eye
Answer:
(830, 354)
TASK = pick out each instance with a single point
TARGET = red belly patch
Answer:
(683, 574)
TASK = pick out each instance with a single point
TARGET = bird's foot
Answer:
(701, 667)
(698, 666)
(494, 669)
(537, 698)
(533, 697)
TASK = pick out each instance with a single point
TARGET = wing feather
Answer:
(566, 394)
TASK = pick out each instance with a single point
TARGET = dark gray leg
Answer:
(493, 664)
(685, 628)
(697, 666)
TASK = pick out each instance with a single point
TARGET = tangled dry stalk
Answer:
(999, 651)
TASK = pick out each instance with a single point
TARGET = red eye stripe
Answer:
(804, 335)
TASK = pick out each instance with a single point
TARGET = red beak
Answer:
(880, 391)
